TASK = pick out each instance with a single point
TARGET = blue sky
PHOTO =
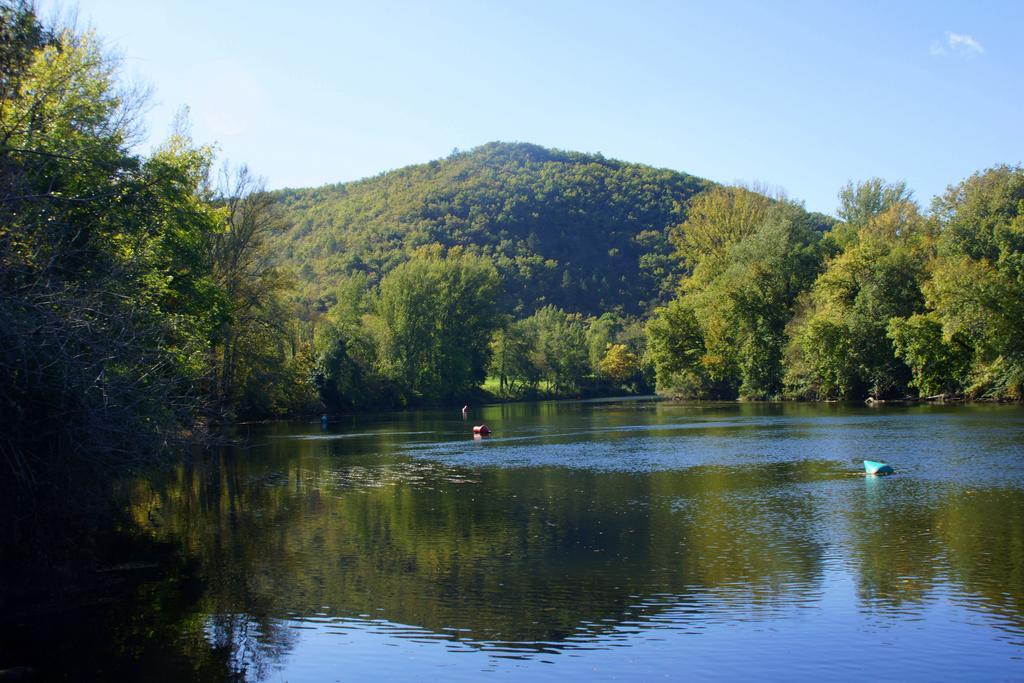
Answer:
(799, 96)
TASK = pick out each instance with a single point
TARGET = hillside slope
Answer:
(576, 230)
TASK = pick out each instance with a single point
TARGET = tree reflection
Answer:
(341, 527)
(523, 555)
(909, 537)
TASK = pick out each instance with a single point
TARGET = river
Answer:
(591, 540)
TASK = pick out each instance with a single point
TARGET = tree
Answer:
(716, 219)
(561, 353)
(725, 336)
(601, 332)
(107, 304)
(675, 346)
(253, 361)
(437, 313)
(348, 344)
(511, 358)
(619, 363)
(937, 365)
(860, 203)
(839, 342)
(977, 285)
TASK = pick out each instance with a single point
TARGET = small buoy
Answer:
(872, 467)
(482, 430)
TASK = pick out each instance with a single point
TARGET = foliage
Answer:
(937, 366)
(860, 203)
(576, 231)
(561, 347)
(751, 261)
(619, 363)
(977, 285)
(675, 347)
(107, 304)
(905, 302)
(839, 344)
(134, 300)
(569, 352)
(258, 368)
(437, 314)
(511, 359)
(716, 220)
(346, 373)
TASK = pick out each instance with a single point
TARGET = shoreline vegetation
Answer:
(497, 401)
(147, 298)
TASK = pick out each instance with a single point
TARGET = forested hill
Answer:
(579, 231)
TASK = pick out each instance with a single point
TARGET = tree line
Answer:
(432, 332)
(889, 302)
(774, 302)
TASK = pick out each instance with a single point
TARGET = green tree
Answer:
(675, 347)
(716, 219)
(860, 203)
(347, 348)
(561, 353)
(107, 303)
(511, 358)
(437, 313)
(937, 365)
(254, 363)
(619, 363)
(839, 343)
(756, 259)
(977, 284)
(602, 332)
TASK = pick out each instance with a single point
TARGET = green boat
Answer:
(872, 467)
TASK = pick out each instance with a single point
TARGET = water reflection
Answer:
(706, 536)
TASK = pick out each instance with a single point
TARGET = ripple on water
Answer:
(738, 547)
(355, 477)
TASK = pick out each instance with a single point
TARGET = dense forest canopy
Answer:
(577, 231)
(889, 303)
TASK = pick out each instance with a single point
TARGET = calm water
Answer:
(594, 540)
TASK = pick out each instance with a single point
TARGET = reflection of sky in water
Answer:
(638, 541)
(694, 637)
(335, 437)
(927, 447)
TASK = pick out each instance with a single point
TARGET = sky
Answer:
(797, 96)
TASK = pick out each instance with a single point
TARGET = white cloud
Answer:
(957, 43)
